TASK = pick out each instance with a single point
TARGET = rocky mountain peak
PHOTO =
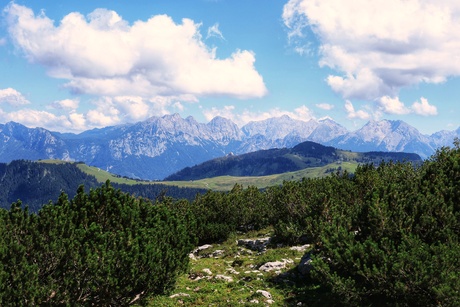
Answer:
(159, 146)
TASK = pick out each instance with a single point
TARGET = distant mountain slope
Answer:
(160, 146)
(276, 161)
(37, 183)
(386, 135)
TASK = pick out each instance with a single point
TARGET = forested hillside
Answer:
(37, 183)
(277, 161)
(385, 235)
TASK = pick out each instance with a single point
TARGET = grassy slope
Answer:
(226, 183)
(222, 183)
(242, 266)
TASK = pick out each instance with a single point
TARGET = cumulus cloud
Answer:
(246, 116)
(102, 54)
(104, 111)
(424, 108)
(66, 104)
(378, 47)
(12, 97)
(391, 105)
(325, 106)
(73, 122)
(352, 114)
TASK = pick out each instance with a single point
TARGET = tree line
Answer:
(387, 234)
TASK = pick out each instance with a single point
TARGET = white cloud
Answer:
(246, 116)
(36, 118)
(351, 113)
(2, 41)
(66, 104)
(393, 105)
(325, 106)
(424, 108)
(12, 97)
(178, 106)
(380, 46)
(104, 111)
(132, 108)
(214, 31)
(102, 54)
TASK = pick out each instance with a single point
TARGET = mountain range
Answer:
(160, 146)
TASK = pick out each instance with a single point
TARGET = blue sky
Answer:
(76, 65)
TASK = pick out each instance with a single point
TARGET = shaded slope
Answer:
(277, 161)
(36, 183)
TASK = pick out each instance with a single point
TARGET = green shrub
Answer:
(101, 248)
(399, 243)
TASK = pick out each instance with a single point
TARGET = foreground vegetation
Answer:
(229, 274)
(102, 248)
(386, 235)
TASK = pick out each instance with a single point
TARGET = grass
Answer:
(226, 183)
(103, 176)
(221, 183)
(199, 288)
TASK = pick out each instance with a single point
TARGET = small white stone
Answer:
(223, 277)
(180, 295)
(264, 293)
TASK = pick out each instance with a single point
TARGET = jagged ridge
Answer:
(160, 146)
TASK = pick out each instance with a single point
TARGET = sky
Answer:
(70, 66)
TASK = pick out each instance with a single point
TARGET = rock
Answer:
(265, 294)
(304, 267)
(192, 256)
(195, 276)
(198, 252)
(302, 248)
(275, 265)
(207, 271)
(217, 253)
(258, 245)
(180, 295)
(202, 247)
(225, 278)
(233, 271)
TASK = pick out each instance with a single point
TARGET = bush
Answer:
(101, 248)
(399, 244)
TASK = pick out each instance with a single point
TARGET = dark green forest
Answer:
(276, 161)
(386, 235)
(36, 183)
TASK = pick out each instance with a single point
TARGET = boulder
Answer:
(258, 245)
(275, 265)
(304, 267)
